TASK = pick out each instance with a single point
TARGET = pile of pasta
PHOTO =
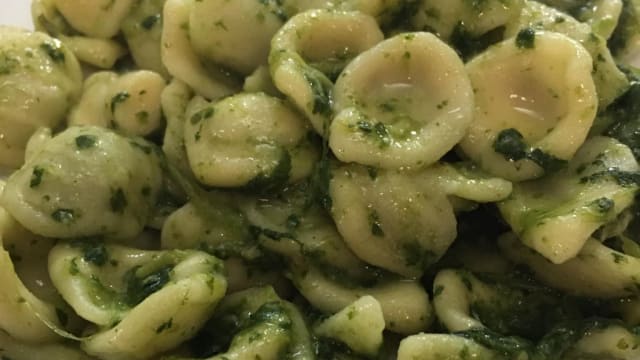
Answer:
(313, 179)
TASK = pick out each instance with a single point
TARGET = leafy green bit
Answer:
(373, 172)
(150, 21)
(628, 26)
(329, 349)
(7, 63)
(417, 256)
(94, 251)
(256, 232)
(273, 313)
(119, 98)
(438, 290)
(293, 221)
(36, 176)
(203, 114)
(118, 201)
(53, 50)
(147, 149)
(86, 141)
(508, 346)
(274, 180)
(510, 143)
(321, 90)
(377, 131)
(139, 288)
(625, 112)
(467, 45)
(376, 226)
(164, 326)
(623, 178)
(603, 204)
(526, 38)
(64, 216)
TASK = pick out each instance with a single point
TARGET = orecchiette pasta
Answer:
(40, 79)
(535, 88)
(142, 28)
(86, 181)
(556, 215)
(252, 140)
(313, 47)
(403, 103)
(130, 103)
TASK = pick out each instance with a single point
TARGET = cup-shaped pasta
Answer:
(556, 215)
(33, 66)
(235, 34)
(403, 103)
(358, 325)
(613, 341)
(405, 304)
(251, 140)
(610, 82)
(142, 29)
(449, 19)
(442, 346)
(602, 15)
(313, 47)
(144, 302)
(129, 103)
(86, 181)
(181, 60)
(535, 103)
(390, 221)
(258, 324)
(597, 271)
(174, 100)
(100, 19)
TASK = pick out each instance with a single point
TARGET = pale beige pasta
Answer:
(602, 15)
(128, 103)
(137, 297)
(99, 19)
(86, 181)
(312, 46)
(33, 65)
(359, 325)
(252, 140)
(11, 348)
(181, 60)
(543, 90)
(442, 346)
(403, 103)
(610, 82)
(556, 215)
(405, 304)
(389, 220)
(142, 28)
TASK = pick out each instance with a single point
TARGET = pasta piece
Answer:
(596, 271)
(100, 20)
(142, 29)
(602, 15)
(33, 66)
(180, 59)
(625, 41)
(449, 19)
(86, 181)
(235, 34)
(11, 348)
(129, 103)
(535, 103)
(174, 100)
(260, 81)
(613, 342)
(385, 11)
(557, 214)
(23, 316)
(250, 140)
(456, 292)
(403, 103)
(358, 325)
(442, 346)
(610, 82)
(405, 304)
(262, 326)
(138, 298)
(390, 221)
(99, 52)
(313, 47)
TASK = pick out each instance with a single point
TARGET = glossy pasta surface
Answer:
(321, 180)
